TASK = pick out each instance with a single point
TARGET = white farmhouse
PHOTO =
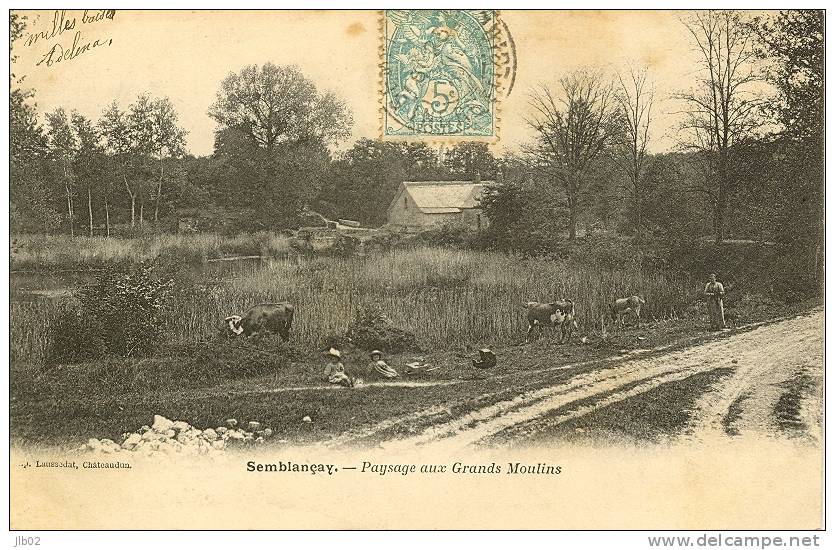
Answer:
(424, 203)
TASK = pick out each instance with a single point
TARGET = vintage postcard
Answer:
(417, 269)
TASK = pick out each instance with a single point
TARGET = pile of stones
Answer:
(166, 436)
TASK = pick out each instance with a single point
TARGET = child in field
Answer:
(335, 370)
(380, 366)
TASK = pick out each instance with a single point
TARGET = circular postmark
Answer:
(506, 52)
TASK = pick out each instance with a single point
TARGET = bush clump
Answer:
(119, 313)
(372, 329)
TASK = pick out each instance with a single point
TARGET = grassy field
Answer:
(206, 384)
(29, 252)
(453, 301)
(448, 298)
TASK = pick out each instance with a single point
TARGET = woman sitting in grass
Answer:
(380, 366)
(335, 370)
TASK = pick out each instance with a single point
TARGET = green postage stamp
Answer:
(440, 77)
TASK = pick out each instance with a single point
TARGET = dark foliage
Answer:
(119, 314)
(372, 329)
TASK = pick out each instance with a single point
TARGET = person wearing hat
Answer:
(335, 370)
(380, 366)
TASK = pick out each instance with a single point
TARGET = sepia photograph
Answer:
(421, 269)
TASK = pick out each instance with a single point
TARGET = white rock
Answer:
(235, 434)
(218, 444)
(131, 441)
(259, 440)
(180, 426)
(170, 433)
(161, 424)
(267, 432)
(221, 429)
(210, 434)
(306, 419)
(253, 426)
(231, 422)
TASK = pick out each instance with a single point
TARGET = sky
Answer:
(185, 54)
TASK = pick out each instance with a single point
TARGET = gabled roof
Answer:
(444, 197)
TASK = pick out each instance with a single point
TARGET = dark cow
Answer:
(276, 318)
(551, 314)
(621, 307)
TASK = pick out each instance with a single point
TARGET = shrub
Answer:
(345, 245)
(229, 358)
(453, 234)
(372, 329)
(119, 313)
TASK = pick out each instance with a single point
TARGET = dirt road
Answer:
(766, 382)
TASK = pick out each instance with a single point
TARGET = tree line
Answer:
(749, 162)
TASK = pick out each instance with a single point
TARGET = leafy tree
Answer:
(792, 43)
(118, 138)
(525, 212)
(272, 104)
(274, 131)
(61, 144)
(471, 161)
(167, 141)
(673, 212)
(362, 183)
(31, 195)
(88, 163)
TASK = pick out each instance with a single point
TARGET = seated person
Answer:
(335, 370)
(380, 366)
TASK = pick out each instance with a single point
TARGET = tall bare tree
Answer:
(572, 125)
(634, 96)
(722, 111)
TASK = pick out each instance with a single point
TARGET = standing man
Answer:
(715, 292)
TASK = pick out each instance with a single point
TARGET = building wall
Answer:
(474, 218)
(403, 211)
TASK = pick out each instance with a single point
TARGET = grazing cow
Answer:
(551, 314)
(276, 318)
(623, 306)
